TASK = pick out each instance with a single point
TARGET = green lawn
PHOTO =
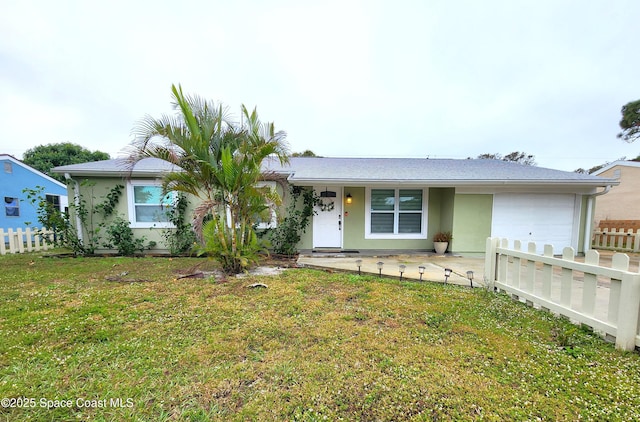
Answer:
(313, 346)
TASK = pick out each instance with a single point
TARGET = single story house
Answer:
(15, 176)
(622, 202)
(397, 203)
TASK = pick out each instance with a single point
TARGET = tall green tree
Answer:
(630, 122)
(45, 157)
(220, 162)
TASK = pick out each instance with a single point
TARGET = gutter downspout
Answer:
(588, 229)
(76, 203)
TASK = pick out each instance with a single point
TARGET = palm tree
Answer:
(220, 163)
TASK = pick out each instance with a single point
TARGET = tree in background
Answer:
(630, 123)
(516, 157)
(45, 157)
(591, 170)
(599, 166)
(306, 153)
(220, 162)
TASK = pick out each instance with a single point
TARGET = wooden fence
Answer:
(616, 240)
(606, 299)
(617, 235)
(21, 240)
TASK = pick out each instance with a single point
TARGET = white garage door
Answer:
(540, 218)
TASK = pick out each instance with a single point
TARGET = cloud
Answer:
(343, 78)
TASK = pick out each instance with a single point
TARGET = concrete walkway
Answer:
(434, 265)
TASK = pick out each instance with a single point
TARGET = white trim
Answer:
(396, 236)
(131, 206)
(486, 190)
(621, 163)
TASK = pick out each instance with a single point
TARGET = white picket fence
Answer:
(21, 240)
(606, 299)
(626, 240)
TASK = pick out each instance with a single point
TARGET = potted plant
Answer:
(441, 242)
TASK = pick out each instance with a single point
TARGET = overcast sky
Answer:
(443, 79)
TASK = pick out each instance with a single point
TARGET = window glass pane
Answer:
(381, 222)
(53, 200)
(409, 222)
(149, 204)
(151, 214)
(149, 195)
(383, 199)
(168, 200)
(12, 206)
(410, 200)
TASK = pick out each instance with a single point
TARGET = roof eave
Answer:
(119, 173)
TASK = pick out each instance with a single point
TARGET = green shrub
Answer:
(181, 238)
(120, 236)
(286, 236)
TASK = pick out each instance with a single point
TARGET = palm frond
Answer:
(220, 162)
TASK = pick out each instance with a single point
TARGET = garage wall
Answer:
(472, 215)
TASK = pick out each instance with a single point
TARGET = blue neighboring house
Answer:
(16, 210)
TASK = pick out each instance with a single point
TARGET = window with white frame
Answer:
(148, 207)
(395, 213)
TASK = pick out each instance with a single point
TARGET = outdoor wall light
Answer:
(359, 264)
(380, 264)
(470, 277)
(401, 268)
(421, 271)
(447, 273)
(349, 198)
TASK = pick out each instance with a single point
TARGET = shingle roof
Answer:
(310, 170)
(433, 171)
(118, 166)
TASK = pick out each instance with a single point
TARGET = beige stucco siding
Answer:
(623, 201)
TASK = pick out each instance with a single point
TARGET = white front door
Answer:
(327, 222)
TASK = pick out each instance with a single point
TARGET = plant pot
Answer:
(440, 247)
